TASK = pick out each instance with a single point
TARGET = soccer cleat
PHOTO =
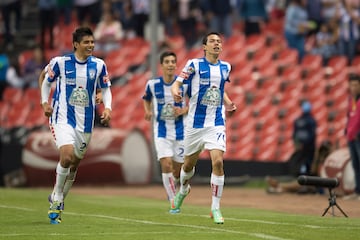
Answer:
(55, 211)
(51, 201)
(217, 216)
(178, 200)
(173, 210)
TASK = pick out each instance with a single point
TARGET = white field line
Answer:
(196, 227)
(266, 222)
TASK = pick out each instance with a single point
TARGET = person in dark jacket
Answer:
(304, 136)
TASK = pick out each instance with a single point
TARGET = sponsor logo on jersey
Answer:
(70, 81)
(204, 81)
(161, 101)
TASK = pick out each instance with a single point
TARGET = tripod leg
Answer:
(341, 210)
(327, 209)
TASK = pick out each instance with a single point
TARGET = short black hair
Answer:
(204, 41)
(166, 54)
(80, 33)
(354, 77)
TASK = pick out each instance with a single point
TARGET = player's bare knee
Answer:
(187, 167)
(166, 165)
(217, 164)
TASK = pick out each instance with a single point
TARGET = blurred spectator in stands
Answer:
(167, 15)
(219, 15)
(188, 12)
(304, 137)
(349, 28)
(87, 11)
(313, 8)
(325, 43)
(64, 8)
(127, 20)
(47, 21)
(297, 25)
(276, 8)
(33, 68)
(254, 14)
(108, 33)
(141, 10)
(13, 73)
(118, 7)
(4, 65)
(9, 7)
(329, 9)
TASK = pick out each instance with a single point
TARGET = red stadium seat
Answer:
(36, 118)
(176, 42)
(311, 62)
(17, 114)
(263, 56)
(255, 42)
(337, 63)
(32, 95)
(12, 94)
(287, 57)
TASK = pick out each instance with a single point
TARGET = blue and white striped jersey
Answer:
(165, 124)
(206, 91)
(74, 95)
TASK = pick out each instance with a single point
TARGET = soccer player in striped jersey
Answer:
(72, 110)
(205, 125)
(168, 123)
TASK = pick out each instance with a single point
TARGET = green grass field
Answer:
(23, 215)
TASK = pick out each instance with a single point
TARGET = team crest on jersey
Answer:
(225, 73)
(92, 73)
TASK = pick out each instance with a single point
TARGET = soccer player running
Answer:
(168, 123)
(205, 125)
(72, 110)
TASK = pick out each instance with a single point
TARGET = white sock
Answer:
(217, 186)
(61, 174)
(169, 185)
(184, 180)
(68, 183)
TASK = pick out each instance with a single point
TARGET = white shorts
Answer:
(170, 148)
(198, 139)
(64, 134)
